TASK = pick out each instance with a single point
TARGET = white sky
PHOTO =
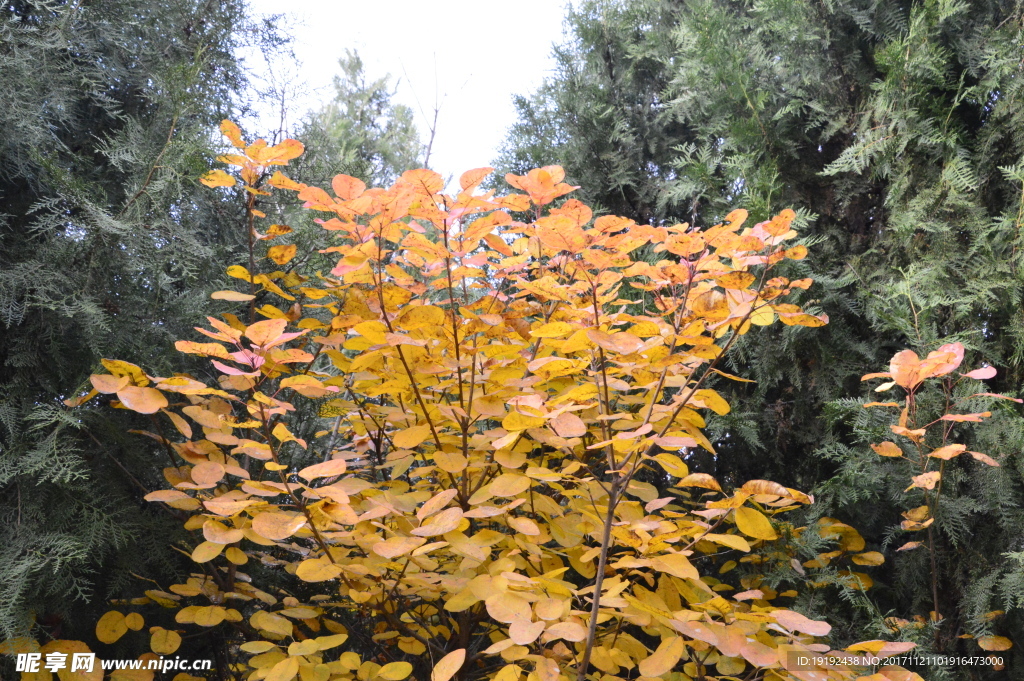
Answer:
(470, 57)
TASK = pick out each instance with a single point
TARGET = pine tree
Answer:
(362, 132)
(107, 245)
(893, 129)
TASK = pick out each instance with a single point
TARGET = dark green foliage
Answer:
(361, 132)
(108, 248)
(894, 129)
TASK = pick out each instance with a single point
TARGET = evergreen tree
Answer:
(108, 248)
(361, 132)
(893, 128)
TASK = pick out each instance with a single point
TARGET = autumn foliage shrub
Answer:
(494, 395)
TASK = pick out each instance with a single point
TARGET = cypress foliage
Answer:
(893, 128)
(108, 247)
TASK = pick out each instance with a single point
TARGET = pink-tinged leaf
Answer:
(266, 332)
(984, 458)
(942, 361)
(794, 621)
(998, 396)
(232, 371)
(960, 418)
(909, 546)
(981, 374)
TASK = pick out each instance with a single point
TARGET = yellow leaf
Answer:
(285, 670)
(675, 564)
(230, 130)
(210, 616)
(397, 546)
(111, 627)
(753, 523)
(733, 541)
(700, 480)
(282, 254)
(142, 400)
(411, 437)
(326, 469)
(239, 272)
(887, 449)
(869, 558)
(524, 526)
(664, 659)
(442, 523)
(448, 665)
(736, 280)
(925, 480)
(395, 671)
(450, 462)
(418, 316)
(217, 178)
(552, 330)
(523, 632)
(516, 421)
(436, 503)
(509, 485)
(163, 641)
(948, 452)
(134, 621)
(277, 525)
(233, 296)
(207, 551)
(317, 570)
(762, 316)
(995, 643)
(713, 401)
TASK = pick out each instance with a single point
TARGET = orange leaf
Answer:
(347, 187)
(233, 133)
(471, 178)
(280, 154)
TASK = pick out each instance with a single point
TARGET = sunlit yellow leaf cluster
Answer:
(496, 394)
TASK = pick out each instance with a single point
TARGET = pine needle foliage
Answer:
(106, 246)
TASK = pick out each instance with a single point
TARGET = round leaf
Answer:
(111, 627)
(163, 641)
